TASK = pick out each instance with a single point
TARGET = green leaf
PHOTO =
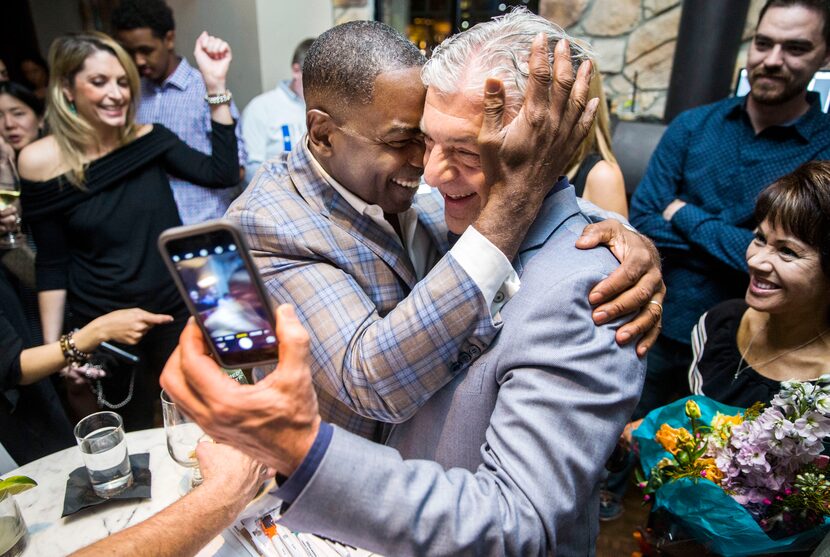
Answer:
(16, 484)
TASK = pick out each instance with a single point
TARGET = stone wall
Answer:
(634, 41)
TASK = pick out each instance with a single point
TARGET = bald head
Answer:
(342, 65)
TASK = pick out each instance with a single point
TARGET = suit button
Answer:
(455, 367)
(464, 358)
(475, 351)
(499, 298)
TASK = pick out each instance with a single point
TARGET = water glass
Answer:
(104, 449)
(183, 435)
(9, 193)
(13, 533)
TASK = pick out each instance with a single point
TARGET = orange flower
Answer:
(673, 439)
(710, 471)
(722, 420)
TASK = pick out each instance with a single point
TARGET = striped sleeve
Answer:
(698, 344)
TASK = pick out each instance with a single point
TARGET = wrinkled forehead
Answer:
(452, 118)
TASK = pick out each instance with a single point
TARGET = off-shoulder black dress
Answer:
(99, 243)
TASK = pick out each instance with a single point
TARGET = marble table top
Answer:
(51, 535)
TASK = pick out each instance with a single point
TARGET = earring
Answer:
(72, 108)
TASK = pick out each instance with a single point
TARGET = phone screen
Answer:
(225, 296)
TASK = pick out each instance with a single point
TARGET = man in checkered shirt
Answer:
(173, 94)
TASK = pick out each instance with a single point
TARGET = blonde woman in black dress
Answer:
(96, 196)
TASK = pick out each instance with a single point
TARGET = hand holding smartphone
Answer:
(221, 286)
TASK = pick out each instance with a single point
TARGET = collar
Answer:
(805, 125)
(180, 76)
(558, 206)
(285, 86)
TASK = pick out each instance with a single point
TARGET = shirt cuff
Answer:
(487, 266)
(296, 482)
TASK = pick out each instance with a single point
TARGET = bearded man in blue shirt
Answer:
(697, 197)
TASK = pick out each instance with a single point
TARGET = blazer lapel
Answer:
(430, 207)
(314, 189)
(558, 206)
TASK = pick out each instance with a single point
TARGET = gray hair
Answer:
(341, 66)
(499, 48)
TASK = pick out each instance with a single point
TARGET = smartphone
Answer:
(221, 286)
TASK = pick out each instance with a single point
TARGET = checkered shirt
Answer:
(179, 104)
(382, 343)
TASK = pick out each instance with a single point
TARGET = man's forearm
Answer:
(183, 528)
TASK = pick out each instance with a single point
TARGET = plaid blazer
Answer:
(381, 343)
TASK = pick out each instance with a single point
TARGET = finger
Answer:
(647, 324)
(563, 77)
(593, 235)
(156, 318)
(493, 121)
(646, 321)
(537, 95)
(648, 340)
(577, 99)
(294, 341)
(631, 299)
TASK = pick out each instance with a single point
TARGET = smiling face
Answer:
(451, 163)
(785, 274)
(154, 57)
(377, 151)
(19, 124)
(786, 51)
(101, 91)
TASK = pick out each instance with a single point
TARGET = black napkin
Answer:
(79, 493)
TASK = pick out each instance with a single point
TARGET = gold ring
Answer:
(658, 304)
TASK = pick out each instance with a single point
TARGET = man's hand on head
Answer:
(523, 160)
(274, 421)
(635, 287)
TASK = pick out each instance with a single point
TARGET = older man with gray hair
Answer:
(507, 456)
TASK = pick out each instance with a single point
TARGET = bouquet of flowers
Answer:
(743, 481)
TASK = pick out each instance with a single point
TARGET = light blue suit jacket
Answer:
(507, 457)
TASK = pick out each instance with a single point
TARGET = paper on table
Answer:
(263, 537)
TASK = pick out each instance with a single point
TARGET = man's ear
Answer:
(320, 128)
(170, 40)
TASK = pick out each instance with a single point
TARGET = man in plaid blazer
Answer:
(393, 315)
(506, 457)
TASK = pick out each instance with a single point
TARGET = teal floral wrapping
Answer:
(708, 513)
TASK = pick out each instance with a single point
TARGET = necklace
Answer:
(740, 369)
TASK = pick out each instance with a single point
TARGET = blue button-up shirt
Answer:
(711, 158)
(179, 105)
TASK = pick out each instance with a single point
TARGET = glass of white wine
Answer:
(183, 435)
(9, 196)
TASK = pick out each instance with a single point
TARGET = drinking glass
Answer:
(104, 448)
(13, 532)
(9, 195)
(183, 435)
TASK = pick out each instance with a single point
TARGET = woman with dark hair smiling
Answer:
(96, 196)
(744, 349)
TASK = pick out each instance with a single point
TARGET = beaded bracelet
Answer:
(71, 352)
